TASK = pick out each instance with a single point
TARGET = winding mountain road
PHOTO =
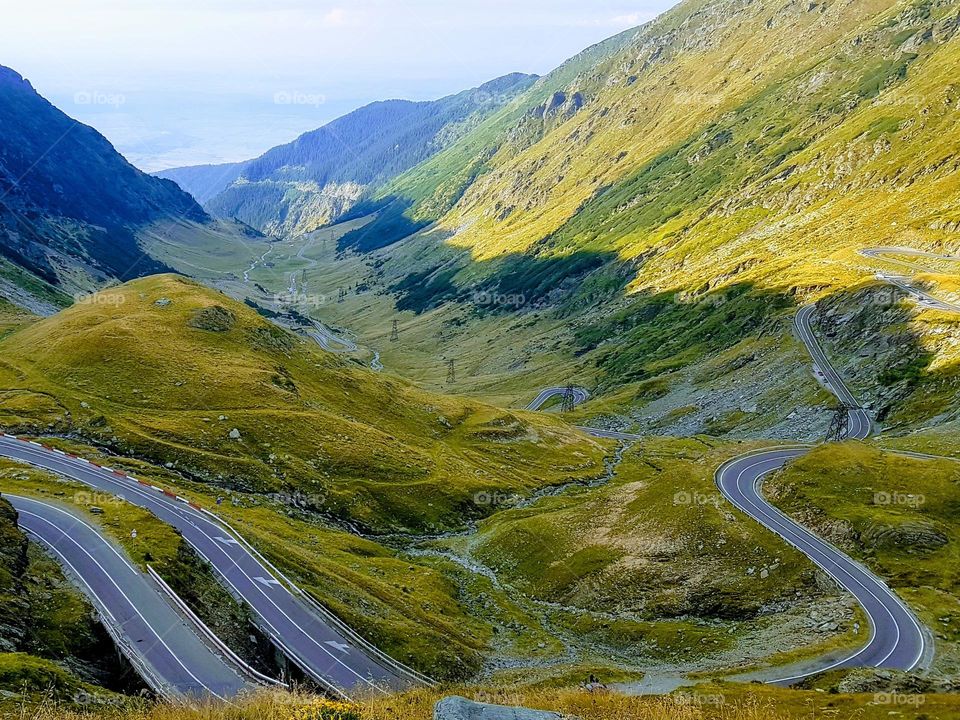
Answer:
(859, 423)
(330, 341)
(163, 647)
(580, 395)
(897, 639)
(315, 640)
(177, 662)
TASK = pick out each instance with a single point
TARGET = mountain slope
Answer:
(322, 174)
(695, 183)
(148, 368)
(70, 205)
(614, 115)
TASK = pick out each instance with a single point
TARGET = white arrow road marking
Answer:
(226, 540)
(342, 647)
(266, 581)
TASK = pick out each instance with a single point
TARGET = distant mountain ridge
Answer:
(204, 182)
(71, 206)
(320, 176)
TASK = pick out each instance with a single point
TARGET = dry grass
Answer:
(735, 702)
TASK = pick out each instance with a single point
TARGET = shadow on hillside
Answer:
(390, 225)
(517, 282)
(888, 357)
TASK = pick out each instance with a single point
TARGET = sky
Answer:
(185, 82)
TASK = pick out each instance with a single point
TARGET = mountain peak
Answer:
(10, 78)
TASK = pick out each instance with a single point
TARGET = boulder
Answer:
(459, 708)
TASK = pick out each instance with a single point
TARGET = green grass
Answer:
(896, 514)
(140, 377)
(651, 568)
(13, 318)
(614, 548)
(30, 680)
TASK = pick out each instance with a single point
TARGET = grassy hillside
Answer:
(661, 200)
(718, 167)
(182, 385)
(653, 568)
(170, 371)
(897, 515)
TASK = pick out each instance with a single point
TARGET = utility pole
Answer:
(451, 373)
(569, 400)
(394, 332)
(839, 423)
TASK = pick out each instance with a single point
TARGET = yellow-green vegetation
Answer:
(897, 514)
(704, 702)
(716, 194)
(30, 681)
(712, 175)
(668, 576)
(485, 367)
(654, 567)
(432, 614)
(13, 317)
(167, 370)
(651, 204)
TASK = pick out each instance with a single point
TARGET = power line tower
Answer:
(839, 423)
(451, 372)
(394, 332)
(569, 401)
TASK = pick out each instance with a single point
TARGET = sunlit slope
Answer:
(714, 140)
(180, 374)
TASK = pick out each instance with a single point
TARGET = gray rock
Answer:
(235, 434)
(459, 708)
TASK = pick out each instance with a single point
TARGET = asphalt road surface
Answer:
(579, 396)
(330, 341)
(324, 648)
(897, 640)
(902, 282)
(860, 425)
(154, 637)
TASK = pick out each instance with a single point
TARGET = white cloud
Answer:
(336, 17)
